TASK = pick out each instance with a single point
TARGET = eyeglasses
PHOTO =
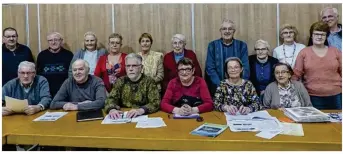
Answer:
(133, 66)
(319, 34)
(234, 68)
(187, 70)
(54, 40)
(281, 72)
(13, 36)
(327, 17)
(178, 43)
(226, 28)
(28, 73)
(290, 32)
(114, 43)
(261, 49)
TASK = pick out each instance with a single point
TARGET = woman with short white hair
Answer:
(261, 65)
(289, 50)
(172, 58)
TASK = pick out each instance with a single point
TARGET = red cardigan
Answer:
(176, 90)
(101, 71)
(170, 66)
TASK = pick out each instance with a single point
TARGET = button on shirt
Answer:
(263, 75)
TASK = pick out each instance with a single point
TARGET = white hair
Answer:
(55, 33)
(134, 55)
(260, 41)
(83, 61)
(31, 65)
(180, 37)
(329, 8)
(229, 22)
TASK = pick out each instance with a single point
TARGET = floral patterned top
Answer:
(288, 96)
(153, 66)
(237, 95)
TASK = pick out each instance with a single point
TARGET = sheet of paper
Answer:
(108, 120)
(50, 116)
(268, 134)
(254, 115)
(151, 123)
(242, 126)
(292, 129)
(187, 116)
(261, 114)
(16, 105)
(269, 124)
(140, 118)
(335, 117)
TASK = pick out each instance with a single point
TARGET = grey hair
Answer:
(134, 55)
(31, 65)
(55, 33)
(84, 61)
(180, 37)
(230, 22)
(260, 41)
(329, 8)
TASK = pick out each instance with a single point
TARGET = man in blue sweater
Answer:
(221, 49)
(12, 54)
(28, 86)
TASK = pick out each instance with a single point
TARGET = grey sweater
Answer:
(80, 54)
(271, 98)
(93, 90)
(39, 92)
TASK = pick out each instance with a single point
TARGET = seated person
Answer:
(235, 94)
(136, 91)
(80, 92)
(28, 86)
(187, 94)
(284, 92)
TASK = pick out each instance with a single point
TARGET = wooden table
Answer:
(67, 132)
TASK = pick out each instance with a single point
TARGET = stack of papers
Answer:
(108, 120)
(16, 105)
(50, 116)
(151, 123)
(260, 121)
(191, 116)
(306, 114)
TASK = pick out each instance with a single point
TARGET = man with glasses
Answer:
(221, 49)
(53, 62)
(81, 92)
(330, 16)
(12, 54)
(28, 86)
(136, 91)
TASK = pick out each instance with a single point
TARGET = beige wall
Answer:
(162, 21)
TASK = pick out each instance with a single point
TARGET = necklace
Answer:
(284, 53)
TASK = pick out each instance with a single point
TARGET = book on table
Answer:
(89, 115)
(306, 114)
(209, 130)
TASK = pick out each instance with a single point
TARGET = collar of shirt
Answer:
(21, 84)
(287, 88)
(180, 54)
(336, 32)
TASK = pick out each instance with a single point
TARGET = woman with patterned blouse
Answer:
(152, 60)
(234, 94)
(284, 92)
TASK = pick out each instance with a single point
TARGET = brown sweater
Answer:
(322, 76)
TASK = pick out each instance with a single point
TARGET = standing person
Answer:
(53, 62)
(221, 49)
(12, 54)
(289, 50)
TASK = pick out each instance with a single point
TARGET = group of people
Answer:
(99, 78)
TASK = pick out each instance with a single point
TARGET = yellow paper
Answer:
(16, 105)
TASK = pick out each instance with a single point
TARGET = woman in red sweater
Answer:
(189, 87)
(171, 59)
(111, 66)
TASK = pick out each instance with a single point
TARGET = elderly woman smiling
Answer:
(236, 95)
(189, 87)
(284, 92)
(172, 58)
